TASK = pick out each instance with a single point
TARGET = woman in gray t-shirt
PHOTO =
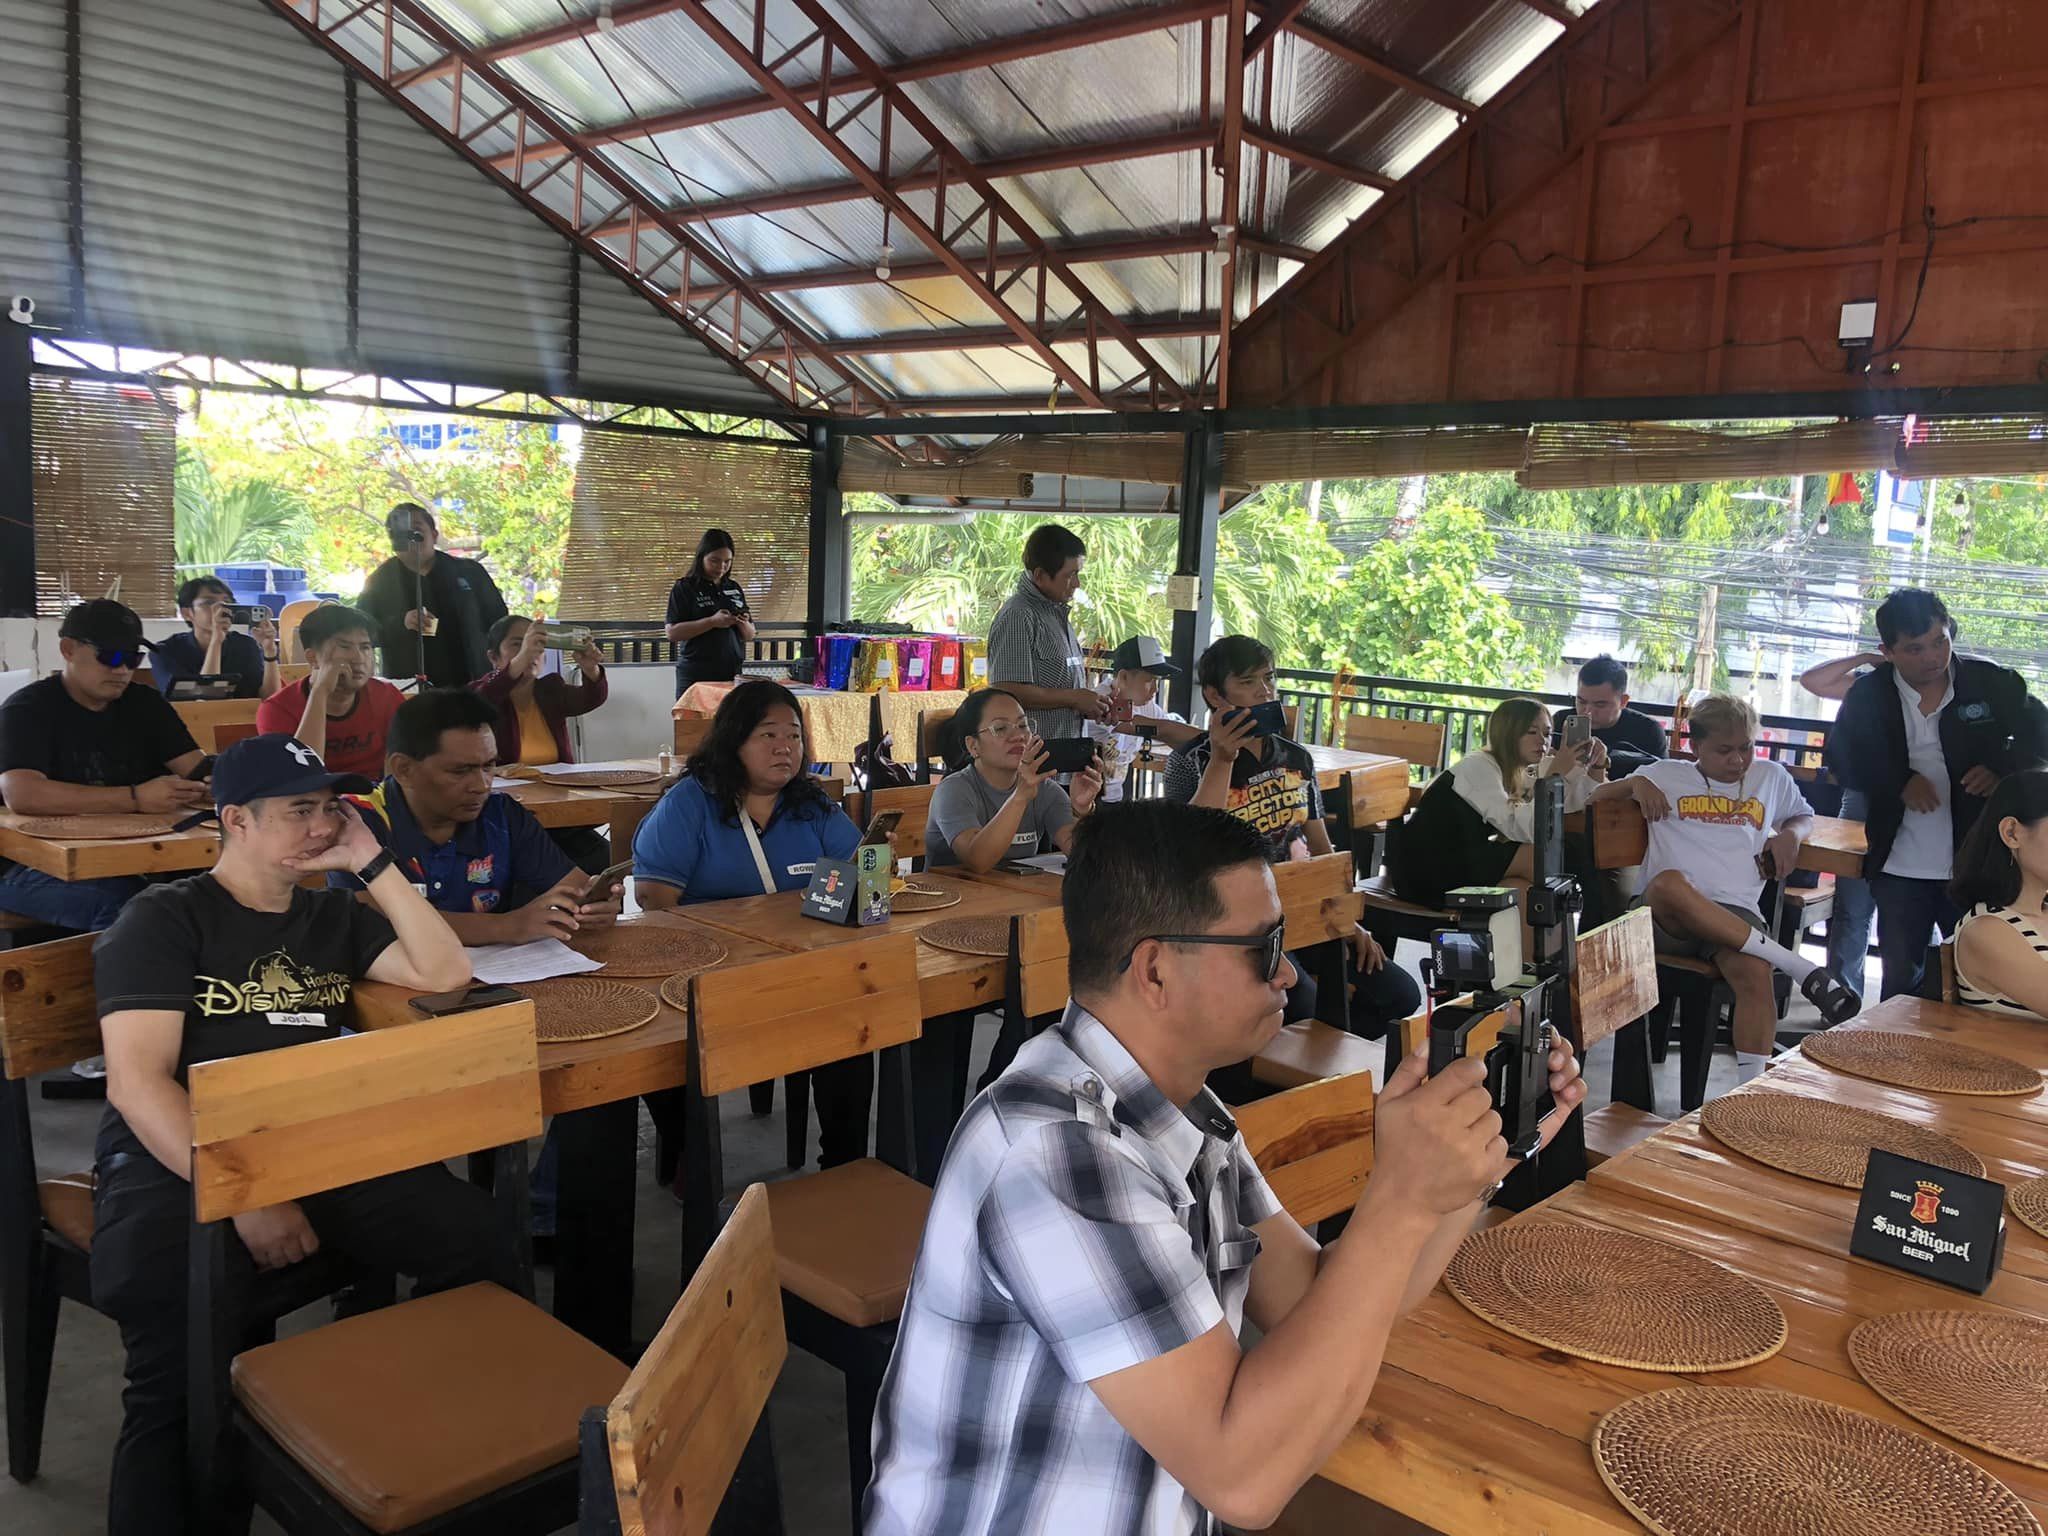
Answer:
(1003, 804)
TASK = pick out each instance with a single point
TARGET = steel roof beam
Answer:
(745, 329)
(951, 61)
(985, 338)
(837, 47)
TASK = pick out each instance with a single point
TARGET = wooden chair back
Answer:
(204, 718)
(915, 802)
(835, 790)
(1313, 1144)
(288, 624)
(678, 1428)
(1615, 982)
(1619, 835)
(1420, 742)
(290, 672)
(1317, 898)
(279, 1125)
(751, 1023)
(1038, 961)
(225, 736)
(690, 733)
(49, 1017)
(1375, 799)
(1292, 712)
(931, 740)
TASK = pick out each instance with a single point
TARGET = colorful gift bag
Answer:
(914, 664)
(838, 657)
(946, 662)
(974, 664)
(874, 666)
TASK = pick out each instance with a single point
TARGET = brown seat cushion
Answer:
(408, 1412)
(846, 1238)
(67, 1207)
(1310, 1051)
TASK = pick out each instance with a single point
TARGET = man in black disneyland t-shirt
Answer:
(239, 960)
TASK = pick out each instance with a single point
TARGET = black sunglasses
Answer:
(1271, 944)
(113, 656)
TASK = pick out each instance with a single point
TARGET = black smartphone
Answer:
(879, 828)
(438, 1005)
(1069, 754)
(1268, 719)
(607, 885)
(246, 614)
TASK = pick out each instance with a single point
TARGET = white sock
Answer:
(1792, 963)
(1748, 1065)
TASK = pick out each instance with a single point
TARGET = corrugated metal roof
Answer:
(33, 197)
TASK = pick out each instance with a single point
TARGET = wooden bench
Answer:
(1614, 1128)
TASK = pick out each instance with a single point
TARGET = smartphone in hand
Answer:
(607, 885)
(1578, 730)
(1069, 754)
(880, 826)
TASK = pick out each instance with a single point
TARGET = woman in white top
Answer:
(2001, 884)
(1476, 824)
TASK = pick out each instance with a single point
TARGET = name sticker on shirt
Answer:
(299, 1020)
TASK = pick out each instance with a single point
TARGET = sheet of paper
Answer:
(1056, 862)
(632, 764)
(498, 783)
(507, 965)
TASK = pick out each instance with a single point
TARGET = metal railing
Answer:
(642, 642)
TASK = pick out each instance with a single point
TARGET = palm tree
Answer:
(249, 520)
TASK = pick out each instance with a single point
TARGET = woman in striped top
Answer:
(2001, 883)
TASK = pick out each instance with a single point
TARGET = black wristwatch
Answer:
(374, 868)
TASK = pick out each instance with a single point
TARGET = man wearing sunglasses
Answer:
(90, 739)
(1068, 1355)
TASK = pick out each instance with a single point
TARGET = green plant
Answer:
(257, 519)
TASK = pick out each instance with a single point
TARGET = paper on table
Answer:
(631, 764)
(508, 964)
(498, 783)
(1056, 862)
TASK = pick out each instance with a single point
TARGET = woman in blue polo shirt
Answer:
(746, 820)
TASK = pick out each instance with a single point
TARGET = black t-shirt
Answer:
(465, 603)
(129, 742)
(716, 655)
(182, 656)
(1276, 792)
(246, 981)
(1633, 740)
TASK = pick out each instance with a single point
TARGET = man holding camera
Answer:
(211, 647)
(433, 610)
(1068, 1357)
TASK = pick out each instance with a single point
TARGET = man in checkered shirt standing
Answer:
(1032, 652)
(1068, 1358)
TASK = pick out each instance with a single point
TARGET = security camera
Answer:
(21, 309)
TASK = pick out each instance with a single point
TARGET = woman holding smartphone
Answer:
(708, 616)
(1001, 802)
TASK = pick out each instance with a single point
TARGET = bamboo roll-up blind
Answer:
(1585, 455)
(2013, 445)
(642, 501)
(1265, 458)
(106, 459)
(868, 467)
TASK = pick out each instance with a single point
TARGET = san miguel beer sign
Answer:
(1930, 1221)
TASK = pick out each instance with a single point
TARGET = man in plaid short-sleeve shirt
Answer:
(1067, 1360)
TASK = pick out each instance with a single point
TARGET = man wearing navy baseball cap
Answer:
(238, 960)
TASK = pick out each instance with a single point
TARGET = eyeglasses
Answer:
(1271, 944)
(118, 656)
(1003, 730)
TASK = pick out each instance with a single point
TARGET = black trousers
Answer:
(844, 1092)
(593, 855)
(425, 1223)
(1380, 999)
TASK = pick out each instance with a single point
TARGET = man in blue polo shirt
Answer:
(479, 857)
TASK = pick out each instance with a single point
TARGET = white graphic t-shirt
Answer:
(1715, 831)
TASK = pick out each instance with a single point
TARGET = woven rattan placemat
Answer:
(969, 935)
(1743, 1461)
(648, 949)
(926, 896)
(1913, 1061)
(601, 778)
(568, 1008)
(1818, 1139)
(1615, 1297)
(2029, 1202)
(97, 826)
(1980, 1377)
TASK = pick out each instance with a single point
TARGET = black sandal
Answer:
(1831, 995)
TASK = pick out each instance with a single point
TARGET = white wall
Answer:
(635, 720)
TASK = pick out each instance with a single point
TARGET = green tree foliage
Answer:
(253, 519)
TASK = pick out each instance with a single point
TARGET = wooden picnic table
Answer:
(71, 858)
(1835, 846)
(1470, 1430)
(593, 1088)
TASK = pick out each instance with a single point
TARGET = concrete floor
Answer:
(807, 1411)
